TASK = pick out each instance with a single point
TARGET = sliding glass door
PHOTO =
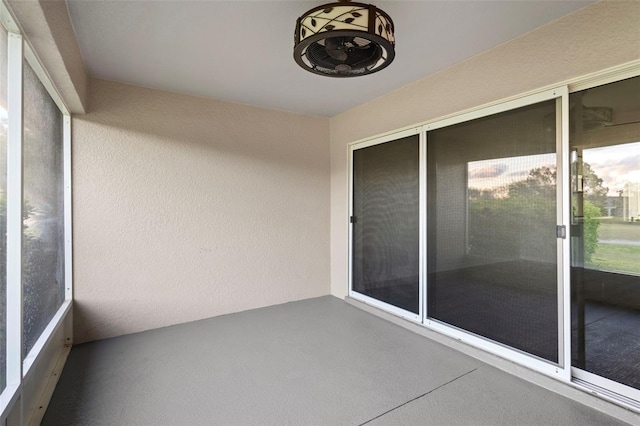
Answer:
(605, 255)
(515, 228)
(491, 228)
(385, 258)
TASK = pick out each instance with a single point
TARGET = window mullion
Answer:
(68, 228)
(14, 210)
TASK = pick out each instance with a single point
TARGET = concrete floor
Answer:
(317, 361)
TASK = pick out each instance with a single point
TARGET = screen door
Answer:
(385, 223)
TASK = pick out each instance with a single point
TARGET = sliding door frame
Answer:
(605, 388)
(562, 368)
(422, 227)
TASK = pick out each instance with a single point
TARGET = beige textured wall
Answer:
(187, 208)
(600, 36)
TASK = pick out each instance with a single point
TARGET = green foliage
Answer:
(520, 219)
(617, 257)
(517, 220)
(592, 215)
(593, 188)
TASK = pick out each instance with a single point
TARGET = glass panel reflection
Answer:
(605, 248)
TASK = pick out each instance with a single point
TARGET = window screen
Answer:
(385, 258)
(43, 226)
(492, 267)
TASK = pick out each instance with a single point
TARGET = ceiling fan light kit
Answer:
(344, 39)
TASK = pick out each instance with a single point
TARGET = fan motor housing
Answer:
(344, 39)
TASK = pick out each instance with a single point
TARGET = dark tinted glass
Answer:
(605, 244)
(386, 229)
(492, 267)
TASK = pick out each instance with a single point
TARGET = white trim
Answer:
(507, 352)
(14, 218)
(422, 188)
(609, 75)
(560, 255)
(68, 209)
(495, 108)
(410, 316)
(7, 19)
(610, 390)
(36, 351)
(44, 77)
(14, 203)
(29, 54)
(563, 192)
(389, 137)
(348, 219)
(8, 399)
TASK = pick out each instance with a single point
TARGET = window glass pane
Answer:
(3, 207)
(386, 229)
(605, 244)
(491, 228)
(43, 241)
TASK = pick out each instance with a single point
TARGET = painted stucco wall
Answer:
(592, 39)
(187, 208)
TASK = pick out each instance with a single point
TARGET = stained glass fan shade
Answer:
(344, 39)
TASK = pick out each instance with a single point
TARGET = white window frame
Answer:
(12, 392)
(44, 339)
(18, 371)
(422, 202)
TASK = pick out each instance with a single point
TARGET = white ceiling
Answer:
(241, 51)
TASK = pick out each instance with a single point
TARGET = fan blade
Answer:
(335, 48)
